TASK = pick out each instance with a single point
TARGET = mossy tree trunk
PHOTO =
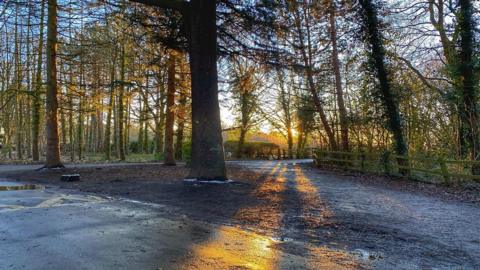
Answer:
(377, 55)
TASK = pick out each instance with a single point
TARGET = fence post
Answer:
(405, 162)
(317, 156)
(385, 159)
(362, 160)
(444, 169)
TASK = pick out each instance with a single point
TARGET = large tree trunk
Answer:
(53, 149)
(469, 113)
(169, 154)
(338, 79)
(377, 55)
(208, 161)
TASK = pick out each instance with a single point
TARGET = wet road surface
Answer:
(394, 229)
(333, 224)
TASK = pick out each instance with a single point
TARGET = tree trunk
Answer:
(71, 142)
(244, 128)
(169, 156)
(307, 58)
(53, 149)
(107, 147)
(181, 121)
(144, 122)
(18, 86)
(159, 118)
(377, 55)
(115, 126)
(241, 142)
(120, 107)
(469, 114)
(63, 128)
(80, 128)
(127, 121)
(300, 150)
(208, 161)
(140, 125)
(290, 141)
(338, 79)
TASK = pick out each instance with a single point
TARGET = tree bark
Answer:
(208, 161)
(468, 83)
(338, 79)
(145, 122)
(121, 108)
(80, 127)
(241, 142)
(377, 55)
(244, 127)
(106, 145)
(311, 83)
(140, 125)
(169, 155)
(18, 86)
(181, 113)
(70, 118)
(53, 149)
(159, 117)
(290, 141)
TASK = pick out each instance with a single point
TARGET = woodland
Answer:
(175, 79)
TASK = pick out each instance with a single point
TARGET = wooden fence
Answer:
(434, 170)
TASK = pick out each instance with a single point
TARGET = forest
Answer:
(108, 80)
(240, 134)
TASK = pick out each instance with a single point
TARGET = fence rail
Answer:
(427, 169)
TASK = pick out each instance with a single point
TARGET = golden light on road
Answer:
(231, 247)
(314, 211)
(236, 248)
(315, 214)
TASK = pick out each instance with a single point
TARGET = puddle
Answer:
(13, 187)
(367, 255)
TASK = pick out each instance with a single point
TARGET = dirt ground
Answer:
(297, 201)
(258, 193)
(156, 183)
(164, 185)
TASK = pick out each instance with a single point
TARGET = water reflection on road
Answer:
(236, 248)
